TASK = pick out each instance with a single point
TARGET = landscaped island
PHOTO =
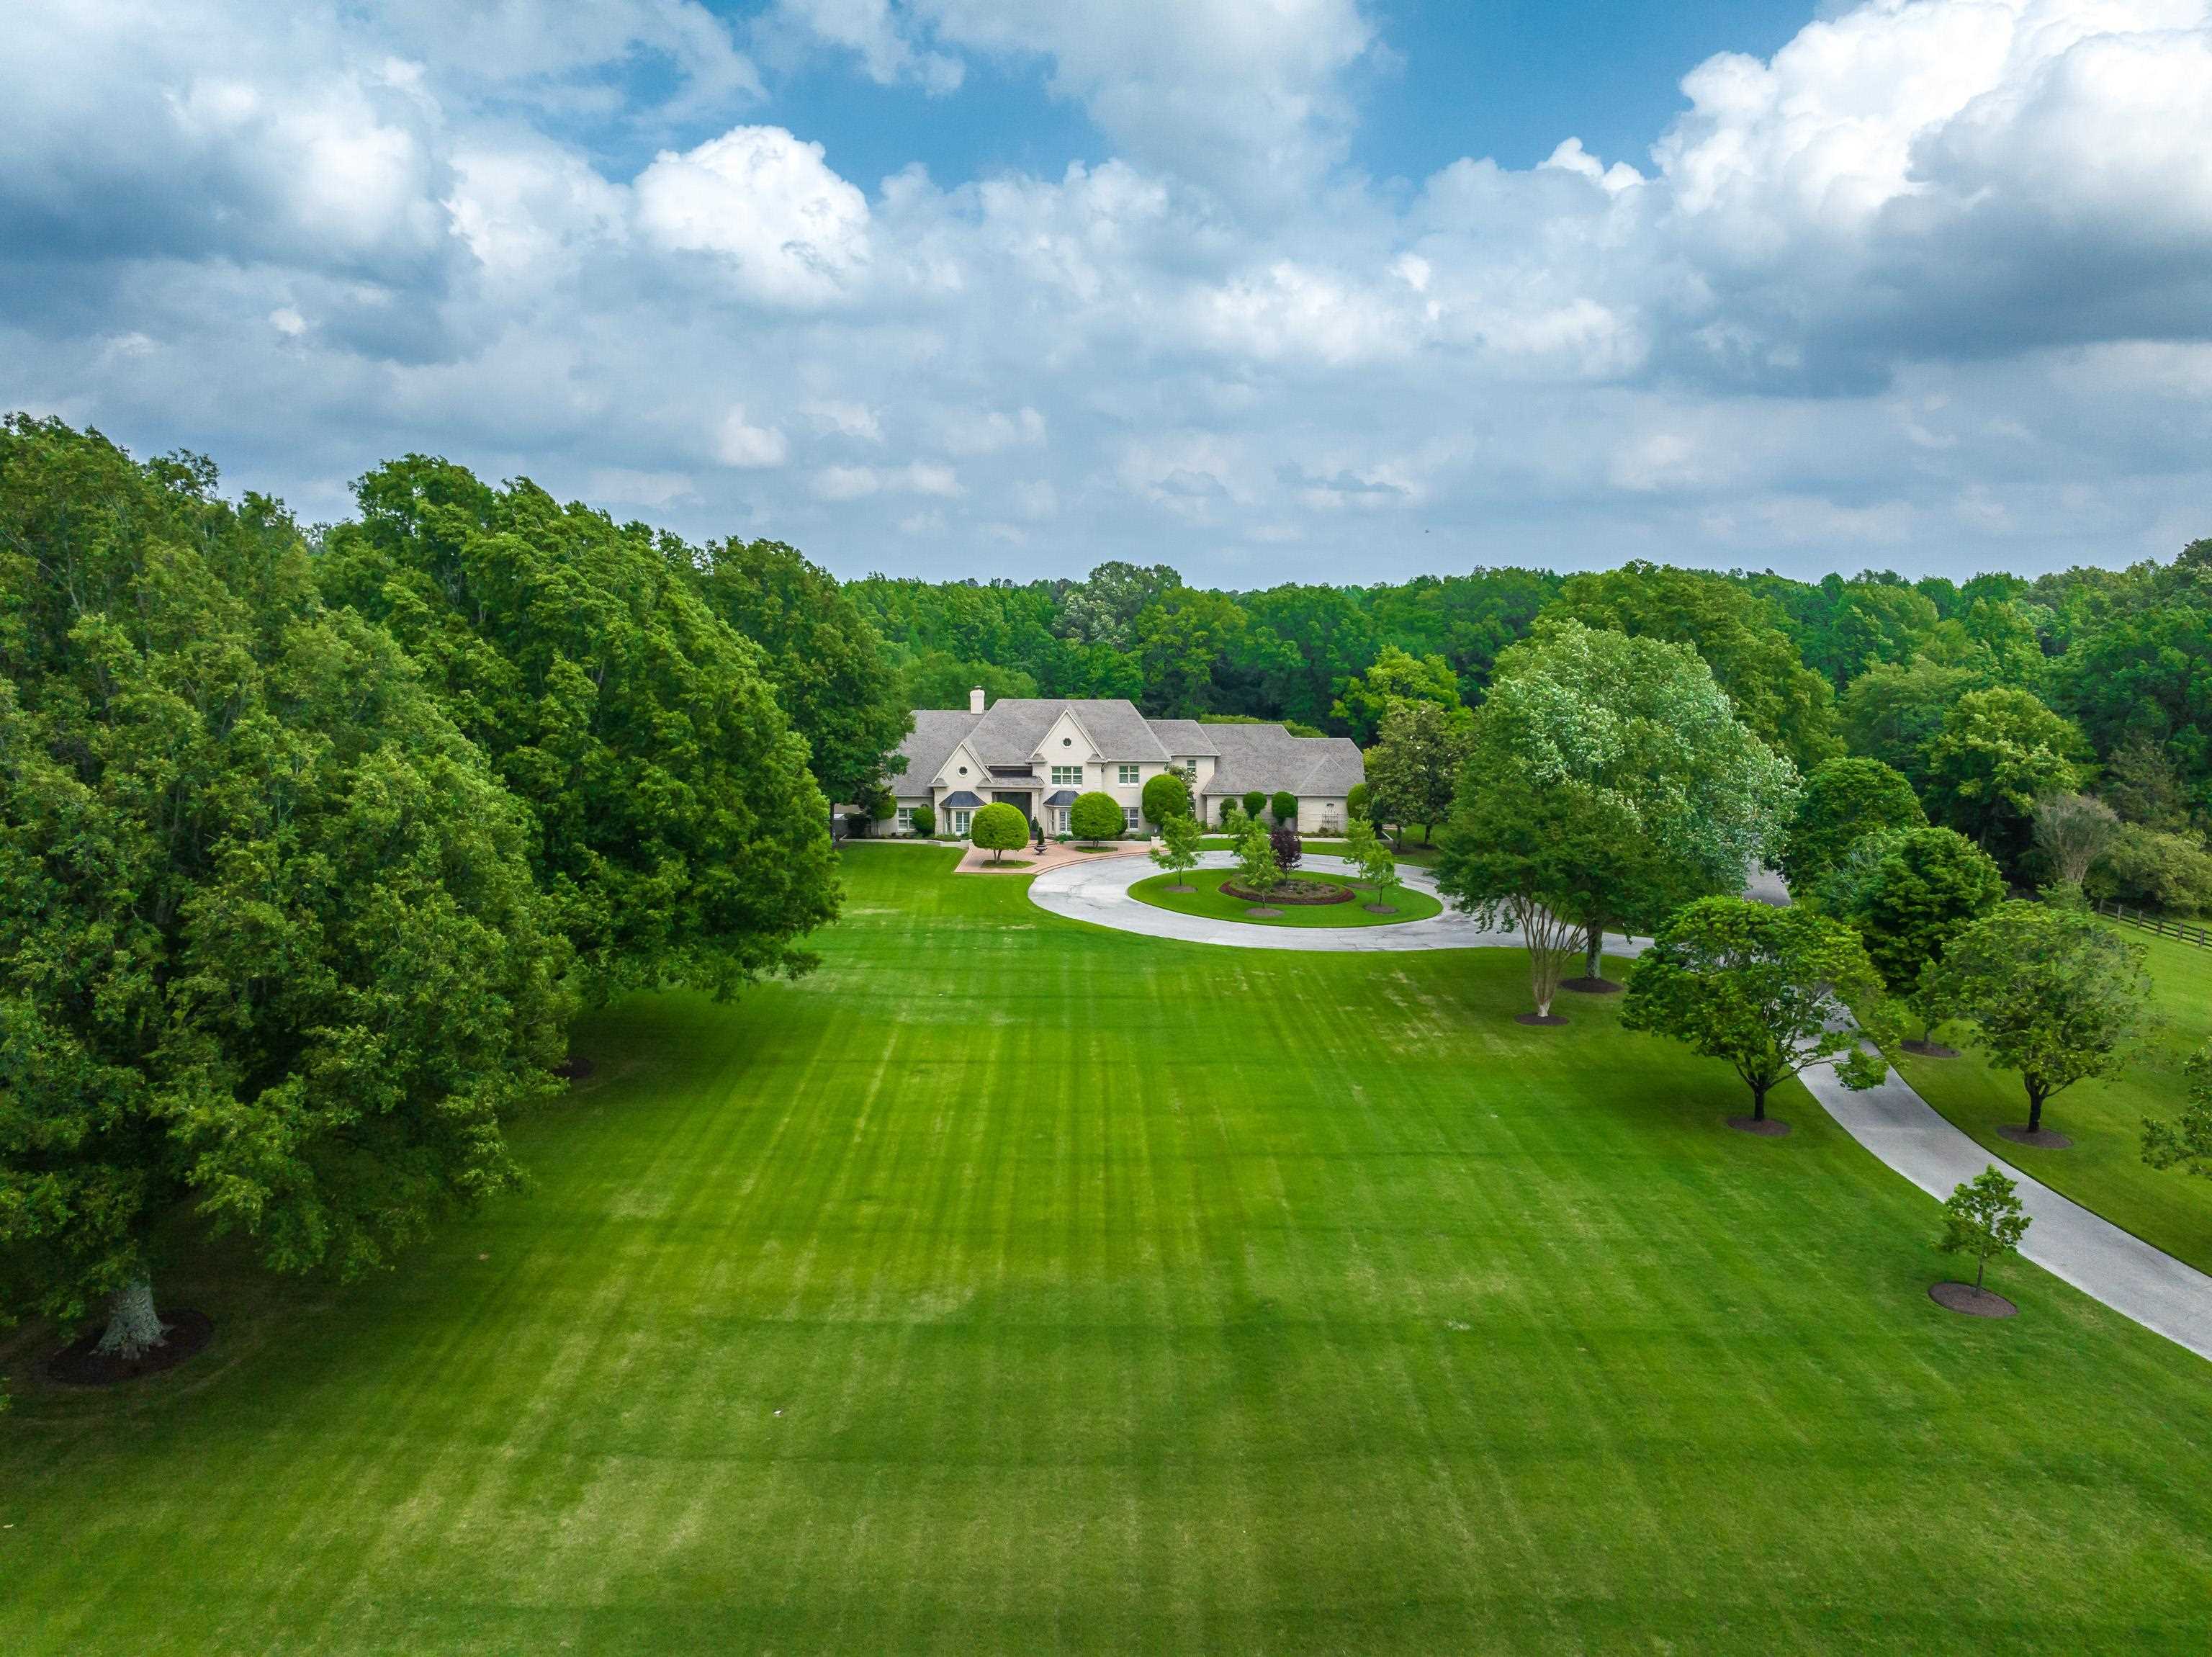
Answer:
(1345, 904)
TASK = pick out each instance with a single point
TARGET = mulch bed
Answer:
(1305, 893)
(1264, 913)
(1765, 1126)
(574, 1068)
(1929, 1049)
(1592, 986)
(1973, 1303)
(78, 1365)
(1379, 909)
(1545, 1018)
(2043, 1139)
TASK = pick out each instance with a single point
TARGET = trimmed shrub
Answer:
(2146, 869)
(1287, 845)
(925, 821)
(1167, 795)
(1096, 816)
(1355, 803)
(1285, 805)
(1254, 803)
(882, 807)
(856, 824)
(999, 828)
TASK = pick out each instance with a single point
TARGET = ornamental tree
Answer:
(2051, 993)
(1377, 867)
(1283, 806)
(2186, 1142)
(1982, 1217)
(1177, 852)
(1928, 886)
(1289, 850)
(1096, 816)
(1255, 801)
(1763, 988)
(677, 832)
(1844, 800)
(272, 958)
(999, 828)
(1640, 724)
(1167, 796)
(1257, 871)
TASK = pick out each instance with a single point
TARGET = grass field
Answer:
(1209, 900)
(1014, 1284)
(2104, 1169)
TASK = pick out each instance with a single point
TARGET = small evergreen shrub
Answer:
(1285, 805)
(1167, 795)
(1254, 803)
(925, 821)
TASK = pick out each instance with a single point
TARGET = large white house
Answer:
(1038, 753)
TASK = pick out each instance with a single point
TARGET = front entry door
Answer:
(1020, 802)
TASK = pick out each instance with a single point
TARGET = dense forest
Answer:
(313, 840)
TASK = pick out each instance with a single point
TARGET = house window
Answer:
(906, 819)
(1131, 812)
(960, 822)
(1128, 773)
(1072, 774)
(1060, 819)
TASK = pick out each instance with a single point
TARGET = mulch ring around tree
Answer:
(1765, 1126)
(1929, 1049)
(78, 1364)
(1971, 1301)
(1263, 913)
(1380, 908)
(1305, 893)
(1592, 986)
(2043, 1139)
(1545, 1018)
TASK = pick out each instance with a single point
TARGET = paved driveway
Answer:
(1099, 892)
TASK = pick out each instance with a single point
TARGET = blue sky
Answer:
(1328, 290)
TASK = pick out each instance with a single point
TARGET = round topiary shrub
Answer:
(1167, 795)
(1096, 816)
(1254, 803)
(1285, 805)
(924, 820)
(1355, 803)
(999, 828)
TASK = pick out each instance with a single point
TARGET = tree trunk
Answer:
(132, 1324)
(1594, 950)
(2034, 1110)
(1758, 1103)
(1981, 1261)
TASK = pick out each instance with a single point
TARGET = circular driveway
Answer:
(1098, 892)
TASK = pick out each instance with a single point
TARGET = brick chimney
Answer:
(976, 700)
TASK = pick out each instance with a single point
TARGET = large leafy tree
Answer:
(675, 827)
(1395, 676)
(270, 952)
(1998, 751)
(1785, 702)
(1414, 766)
(2051, 993)
(831, 673)
(1641, 723)
(1844, 798)
(1763, 988)
(1544, 857)
(2185, 1141)
(1927, 885)
(1893, 711)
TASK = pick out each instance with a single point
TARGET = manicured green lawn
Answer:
(2104, 1169)
(1209, 900)
(1122, 1294)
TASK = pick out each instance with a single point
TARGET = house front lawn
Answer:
(1208, 899)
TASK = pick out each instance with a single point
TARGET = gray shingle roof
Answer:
(962, 799)
(1184, 737)
(936, 733)
(1269, 759)
(1060, 797)
(1246, 757)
